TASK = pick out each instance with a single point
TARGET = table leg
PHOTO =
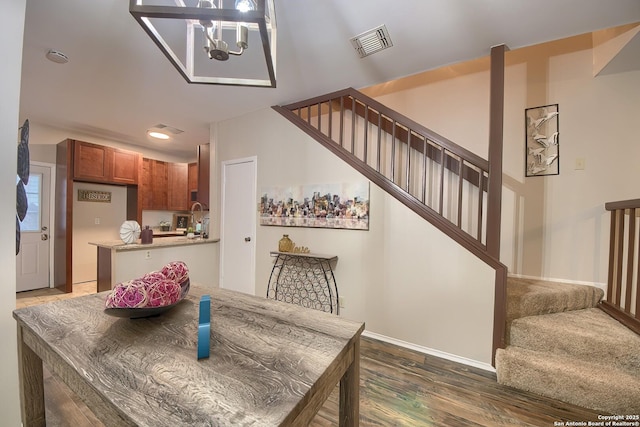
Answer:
(350, 391)
(31, 385)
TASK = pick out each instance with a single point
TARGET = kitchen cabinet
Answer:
(164, 185)
(203, 175)
(125, 166)
(107, 165)
(192, 179)
(154, 184)
(177, 188)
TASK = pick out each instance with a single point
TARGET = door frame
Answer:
(224, 164)
(52, 214)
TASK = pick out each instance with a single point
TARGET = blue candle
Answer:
(204, 327)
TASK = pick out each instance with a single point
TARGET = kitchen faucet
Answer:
(193, 217)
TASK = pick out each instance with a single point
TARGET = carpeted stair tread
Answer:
(581, 383)
(530, 297)
(590, 335)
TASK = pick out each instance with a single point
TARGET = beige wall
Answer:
(11, 31)
(393, 276)
(85, 215)
(553, 227)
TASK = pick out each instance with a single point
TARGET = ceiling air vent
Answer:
(165, 128)
(372, 41)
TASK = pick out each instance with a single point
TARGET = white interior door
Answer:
(238, 221)
(33, 260)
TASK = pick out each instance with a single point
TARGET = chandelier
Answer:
(225, 42)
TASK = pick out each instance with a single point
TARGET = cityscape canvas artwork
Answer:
(341, 205)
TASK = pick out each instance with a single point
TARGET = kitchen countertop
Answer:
(164, 242)
(158, 233)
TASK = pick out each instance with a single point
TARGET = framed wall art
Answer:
(94, 196)
(344, 205)
(181, 222)
(542, 141)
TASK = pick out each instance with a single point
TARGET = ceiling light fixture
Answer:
(182, 31)
(157, 135)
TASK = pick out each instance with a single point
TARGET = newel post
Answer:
(496, 118)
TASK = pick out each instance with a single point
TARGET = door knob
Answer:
(247, 239)
(44, 228)
(44, 237)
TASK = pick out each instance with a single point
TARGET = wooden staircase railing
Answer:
(623, 287)
(442, 182)
(414, 164)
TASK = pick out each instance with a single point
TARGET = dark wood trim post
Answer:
(496, 118)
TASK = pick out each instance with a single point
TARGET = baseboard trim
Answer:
(430, 351)
(602, 286)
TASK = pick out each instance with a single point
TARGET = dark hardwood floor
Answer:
(402, 387)
(398, 387)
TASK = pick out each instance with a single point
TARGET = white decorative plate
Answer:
(129, 231)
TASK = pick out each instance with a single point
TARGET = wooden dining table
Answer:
(270, 363)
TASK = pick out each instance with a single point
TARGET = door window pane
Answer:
(31, 222)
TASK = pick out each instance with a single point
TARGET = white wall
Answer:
(11, 32)
(130, 264)
(553, 227)
(393, 276)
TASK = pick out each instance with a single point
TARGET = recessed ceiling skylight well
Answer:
(372, 41)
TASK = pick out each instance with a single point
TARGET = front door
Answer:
(32, 262)
(239, 210)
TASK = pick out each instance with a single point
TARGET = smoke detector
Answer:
(372, 41)
(57, 57)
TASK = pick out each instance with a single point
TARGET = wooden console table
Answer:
(304, 279)
(271, 364)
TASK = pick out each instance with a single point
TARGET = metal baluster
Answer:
(630, 255)
(341, 138)
(442, 161)
(379, 141)
(330, 119)
(460, 184)
(424, 170)
(353, 125)
(366, 132)
(408, 166)
(393, 152)
(480, 202)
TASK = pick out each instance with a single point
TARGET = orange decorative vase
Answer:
(285, 244)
